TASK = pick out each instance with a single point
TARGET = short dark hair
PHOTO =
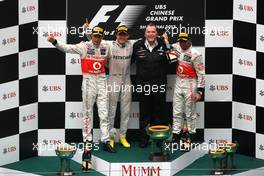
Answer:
(151, 25)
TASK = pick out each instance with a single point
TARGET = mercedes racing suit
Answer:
(94, 84)
(189, 80)
(120, 83)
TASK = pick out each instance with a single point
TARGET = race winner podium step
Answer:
(134, 161)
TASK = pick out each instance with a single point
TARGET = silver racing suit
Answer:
(120, 84)
(189, 79)
(94, 85)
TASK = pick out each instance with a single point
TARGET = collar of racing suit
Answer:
(120, 45)
(96, 46)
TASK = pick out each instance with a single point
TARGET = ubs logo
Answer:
(9, 95)
(28, 63)
(261, 147)
(75, 115)
(52, 142)
(29, 117)
(218, 88)
(247, 8)
(55, 34)
(9, 149)
(261, 38)
(55, 88)
(245, 62)
(8, 41)
(75, 61)
(245, 117)
(28, 8)
(219, 33)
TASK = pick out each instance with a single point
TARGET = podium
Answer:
(135, 161)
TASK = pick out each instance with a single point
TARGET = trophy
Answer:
(159, 134)
(173, 55)
(230, 149)
(217, 155)
(223, 157)
(65, 154)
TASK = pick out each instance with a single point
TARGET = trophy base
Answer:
(230, 168)
(65, 173)
(217, 172)
(159, 157)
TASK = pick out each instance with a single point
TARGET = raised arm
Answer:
(87, 31)
(68, 48)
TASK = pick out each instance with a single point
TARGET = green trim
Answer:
(46, 166)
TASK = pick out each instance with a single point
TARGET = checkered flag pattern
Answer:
(40, 87)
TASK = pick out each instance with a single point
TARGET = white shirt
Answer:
(149, 47)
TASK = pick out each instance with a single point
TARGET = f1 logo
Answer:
(127, 17)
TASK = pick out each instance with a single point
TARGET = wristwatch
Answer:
(200, 90)
(54, 42)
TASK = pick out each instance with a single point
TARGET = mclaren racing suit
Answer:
(94, 85)
(189, 80)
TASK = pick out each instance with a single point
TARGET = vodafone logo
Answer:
(97, 65)
(92, 65)
(180, 69)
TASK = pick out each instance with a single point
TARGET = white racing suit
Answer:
(189, 79)
(94, 85)
(120, 84)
